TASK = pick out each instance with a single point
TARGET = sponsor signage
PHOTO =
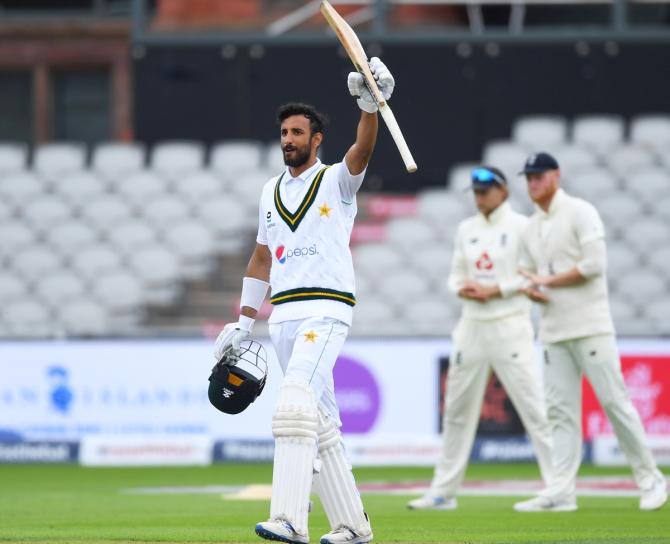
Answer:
(39, 452)
(138, 451)
(606, 450)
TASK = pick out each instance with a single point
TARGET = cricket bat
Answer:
(354, 49)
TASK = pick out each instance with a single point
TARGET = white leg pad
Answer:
(294, 427)
(335, 482)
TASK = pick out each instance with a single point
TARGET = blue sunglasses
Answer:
(484, 175)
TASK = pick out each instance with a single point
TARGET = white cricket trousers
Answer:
(307, 350)
(598, 358)
(506, 346)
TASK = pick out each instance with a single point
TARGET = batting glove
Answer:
(231, 335)
(359, 89)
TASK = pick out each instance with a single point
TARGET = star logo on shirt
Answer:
(324, 210)
(310, 336)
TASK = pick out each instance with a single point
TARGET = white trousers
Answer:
(598, 358)
(307, 350)
(506, 346)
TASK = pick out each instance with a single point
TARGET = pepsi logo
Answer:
(280, 253)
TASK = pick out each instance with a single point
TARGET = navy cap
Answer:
(538, 163)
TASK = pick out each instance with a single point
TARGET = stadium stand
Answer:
(124, 244)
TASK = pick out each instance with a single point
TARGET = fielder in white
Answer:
(494, 332)
(302, 252)
(566, 263)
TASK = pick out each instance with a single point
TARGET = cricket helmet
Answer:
(238, 378)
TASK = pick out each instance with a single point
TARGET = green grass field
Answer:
(58, 504)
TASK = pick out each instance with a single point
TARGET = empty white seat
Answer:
(28, 318)
(193, 243)
(429, 316)
(235, 157)
(647, 234)
(12, 287)
(433, 262)
(274, 158)
(6, 212)
(651, 131)
(54, 160)
(199, 186)
(619, 209)
(80, 188)
(660, 207)
(15, 236)
(165, 210)
(649, 184)
(21, 187)
(140, 188)
(409, 234)
(106, 212)
(46, 212)
(641, 287)
(593, 184)
(228, 221)
(573, 159)
(57, 288)
(121, 295)
(624, 314)
(621, 260)
(540, 132)
(626, 160)
(371, 259)
(95, 261)
(659, 260)
(374, 316)
(13, 157)
(36, 262)
(248, 187)
(402, 287)
(131, 236)
(114, 160)
(599, 133)
(507, 156)
(69, 237)
(158, 270)
(442, 209)
(657, 312)
(459, 179)
(84, 317)
(174, 160)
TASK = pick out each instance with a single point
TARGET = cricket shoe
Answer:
(344, 535)
(544, 504)
(428, 502)
(656, 496)
(280, 530)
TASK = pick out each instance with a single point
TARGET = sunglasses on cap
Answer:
(484, 175)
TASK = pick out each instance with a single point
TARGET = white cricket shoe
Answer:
(280, 530)
(345, 535)
(654, 498)
(428, 502)
(544, 504)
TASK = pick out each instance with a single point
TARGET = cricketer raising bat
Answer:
(354, 49)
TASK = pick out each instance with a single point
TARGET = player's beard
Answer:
(300, 156)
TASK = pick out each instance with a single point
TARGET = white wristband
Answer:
(253, 293)
(246, 323)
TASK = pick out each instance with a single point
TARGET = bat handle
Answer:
(398, 138)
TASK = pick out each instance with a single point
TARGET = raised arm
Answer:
(359, 154)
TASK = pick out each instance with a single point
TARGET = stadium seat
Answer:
(540, 132)
(57, 288)
(600, 133)
(659, 260)
(15, 236)
(174, 160)
(165, 211)
(651, 131)
(121, 295)
(429, 316)
(131, 236)
(274, 158)
(657, 313)
(433, 262)
(12, 287)
(13, 157)
(28, 318)
(158, 270)
(573, 159)
(442, 209)
(54, 160)
(647, 235)
(95, 261)
(505, 155)
(20, 187)
(402, 287)
(621, 260)
(140, 188)
(80, 188)
(46, 212)
(230, 223)
(113, 161)
(375, 316)
(193, 243)
(69, 237)
(409, 234)
(84, 317)
(626, 160)
(625, 315)
(593, 185)
(106, 212)
(248, 188)
(618, 210)
(371, 259)
(7, 213)
(199, 186)
(459, 179)
(36, 262)
(649, 185)
(234, 157)
(641, 287)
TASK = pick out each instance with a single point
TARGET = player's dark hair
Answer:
(317, 120)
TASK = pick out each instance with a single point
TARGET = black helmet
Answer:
(238, 378)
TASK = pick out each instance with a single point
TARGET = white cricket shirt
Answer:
(487, 249)
(553, 241)
(306, 223)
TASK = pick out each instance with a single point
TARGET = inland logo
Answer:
(282, 254)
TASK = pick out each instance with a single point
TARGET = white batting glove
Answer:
(231, 335)
(358, 89)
